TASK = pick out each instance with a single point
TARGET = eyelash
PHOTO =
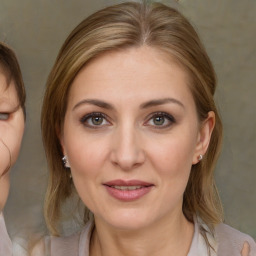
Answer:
(88, 118)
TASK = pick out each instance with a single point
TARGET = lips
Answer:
(128, 190)
(127, 187)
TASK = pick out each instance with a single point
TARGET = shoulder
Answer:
(65, 246)
(231, 241)
(56, 246)
(61, 246)
(20, 246)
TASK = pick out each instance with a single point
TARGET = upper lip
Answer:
(128, 183)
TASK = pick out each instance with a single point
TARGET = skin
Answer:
(11, 132)
(129, 143)
(246, 249)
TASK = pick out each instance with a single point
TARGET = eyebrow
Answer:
(99, 103)
(158, 102)
(148, 104)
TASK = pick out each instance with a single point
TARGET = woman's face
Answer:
(131, 135)
(11, 131)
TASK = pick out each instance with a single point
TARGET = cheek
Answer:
(173, 156)
(87, 162)
(172, 160)
(4, 158)
(86, 155)
(15, 142)
(16, 149)
(10, 141)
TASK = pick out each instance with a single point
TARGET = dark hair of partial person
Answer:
(10, 67)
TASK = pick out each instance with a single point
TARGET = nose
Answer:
(127, 150)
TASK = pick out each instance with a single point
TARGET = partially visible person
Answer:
(12, 120)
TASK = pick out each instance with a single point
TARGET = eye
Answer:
(94, 120)
(4, 116)
(160, 120)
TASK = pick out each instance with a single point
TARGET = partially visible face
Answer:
(131, 135)
(11, 132)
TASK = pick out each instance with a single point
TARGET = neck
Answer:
(166, 237)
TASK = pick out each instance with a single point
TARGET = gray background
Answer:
(36, 29)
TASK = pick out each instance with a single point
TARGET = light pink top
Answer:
(225, 241)
(5, 242)
(198, 246)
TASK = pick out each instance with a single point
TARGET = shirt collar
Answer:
(198, 245)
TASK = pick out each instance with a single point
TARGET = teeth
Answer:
(126, 187)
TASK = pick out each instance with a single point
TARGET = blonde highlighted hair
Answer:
(119, 27)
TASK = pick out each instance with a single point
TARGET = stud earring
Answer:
(65, 162)
(200, 157)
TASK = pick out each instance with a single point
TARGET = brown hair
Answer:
(120, 27)
(10, 67)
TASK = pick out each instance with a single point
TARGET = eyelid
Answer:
(93, 114)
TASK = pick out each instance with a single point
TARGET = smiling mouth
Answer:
(128, 190)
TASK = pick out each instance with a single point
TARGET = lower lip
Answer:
(128, 195)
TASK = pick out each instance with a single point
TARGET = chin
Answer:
(128, 220)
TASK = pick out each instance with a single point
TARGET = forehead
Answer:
(132, 73)
(138, 60)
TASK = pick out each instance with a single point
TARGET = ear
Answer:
(64, 158)
(204, 136)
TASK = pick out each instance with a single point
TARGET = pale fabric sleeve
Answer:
(57, 246)
(231, 241)
(19, 246)
(74, 245)
(226, 241)
(5, 242)
(64, 246)
(202, 233)
(198, 246)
